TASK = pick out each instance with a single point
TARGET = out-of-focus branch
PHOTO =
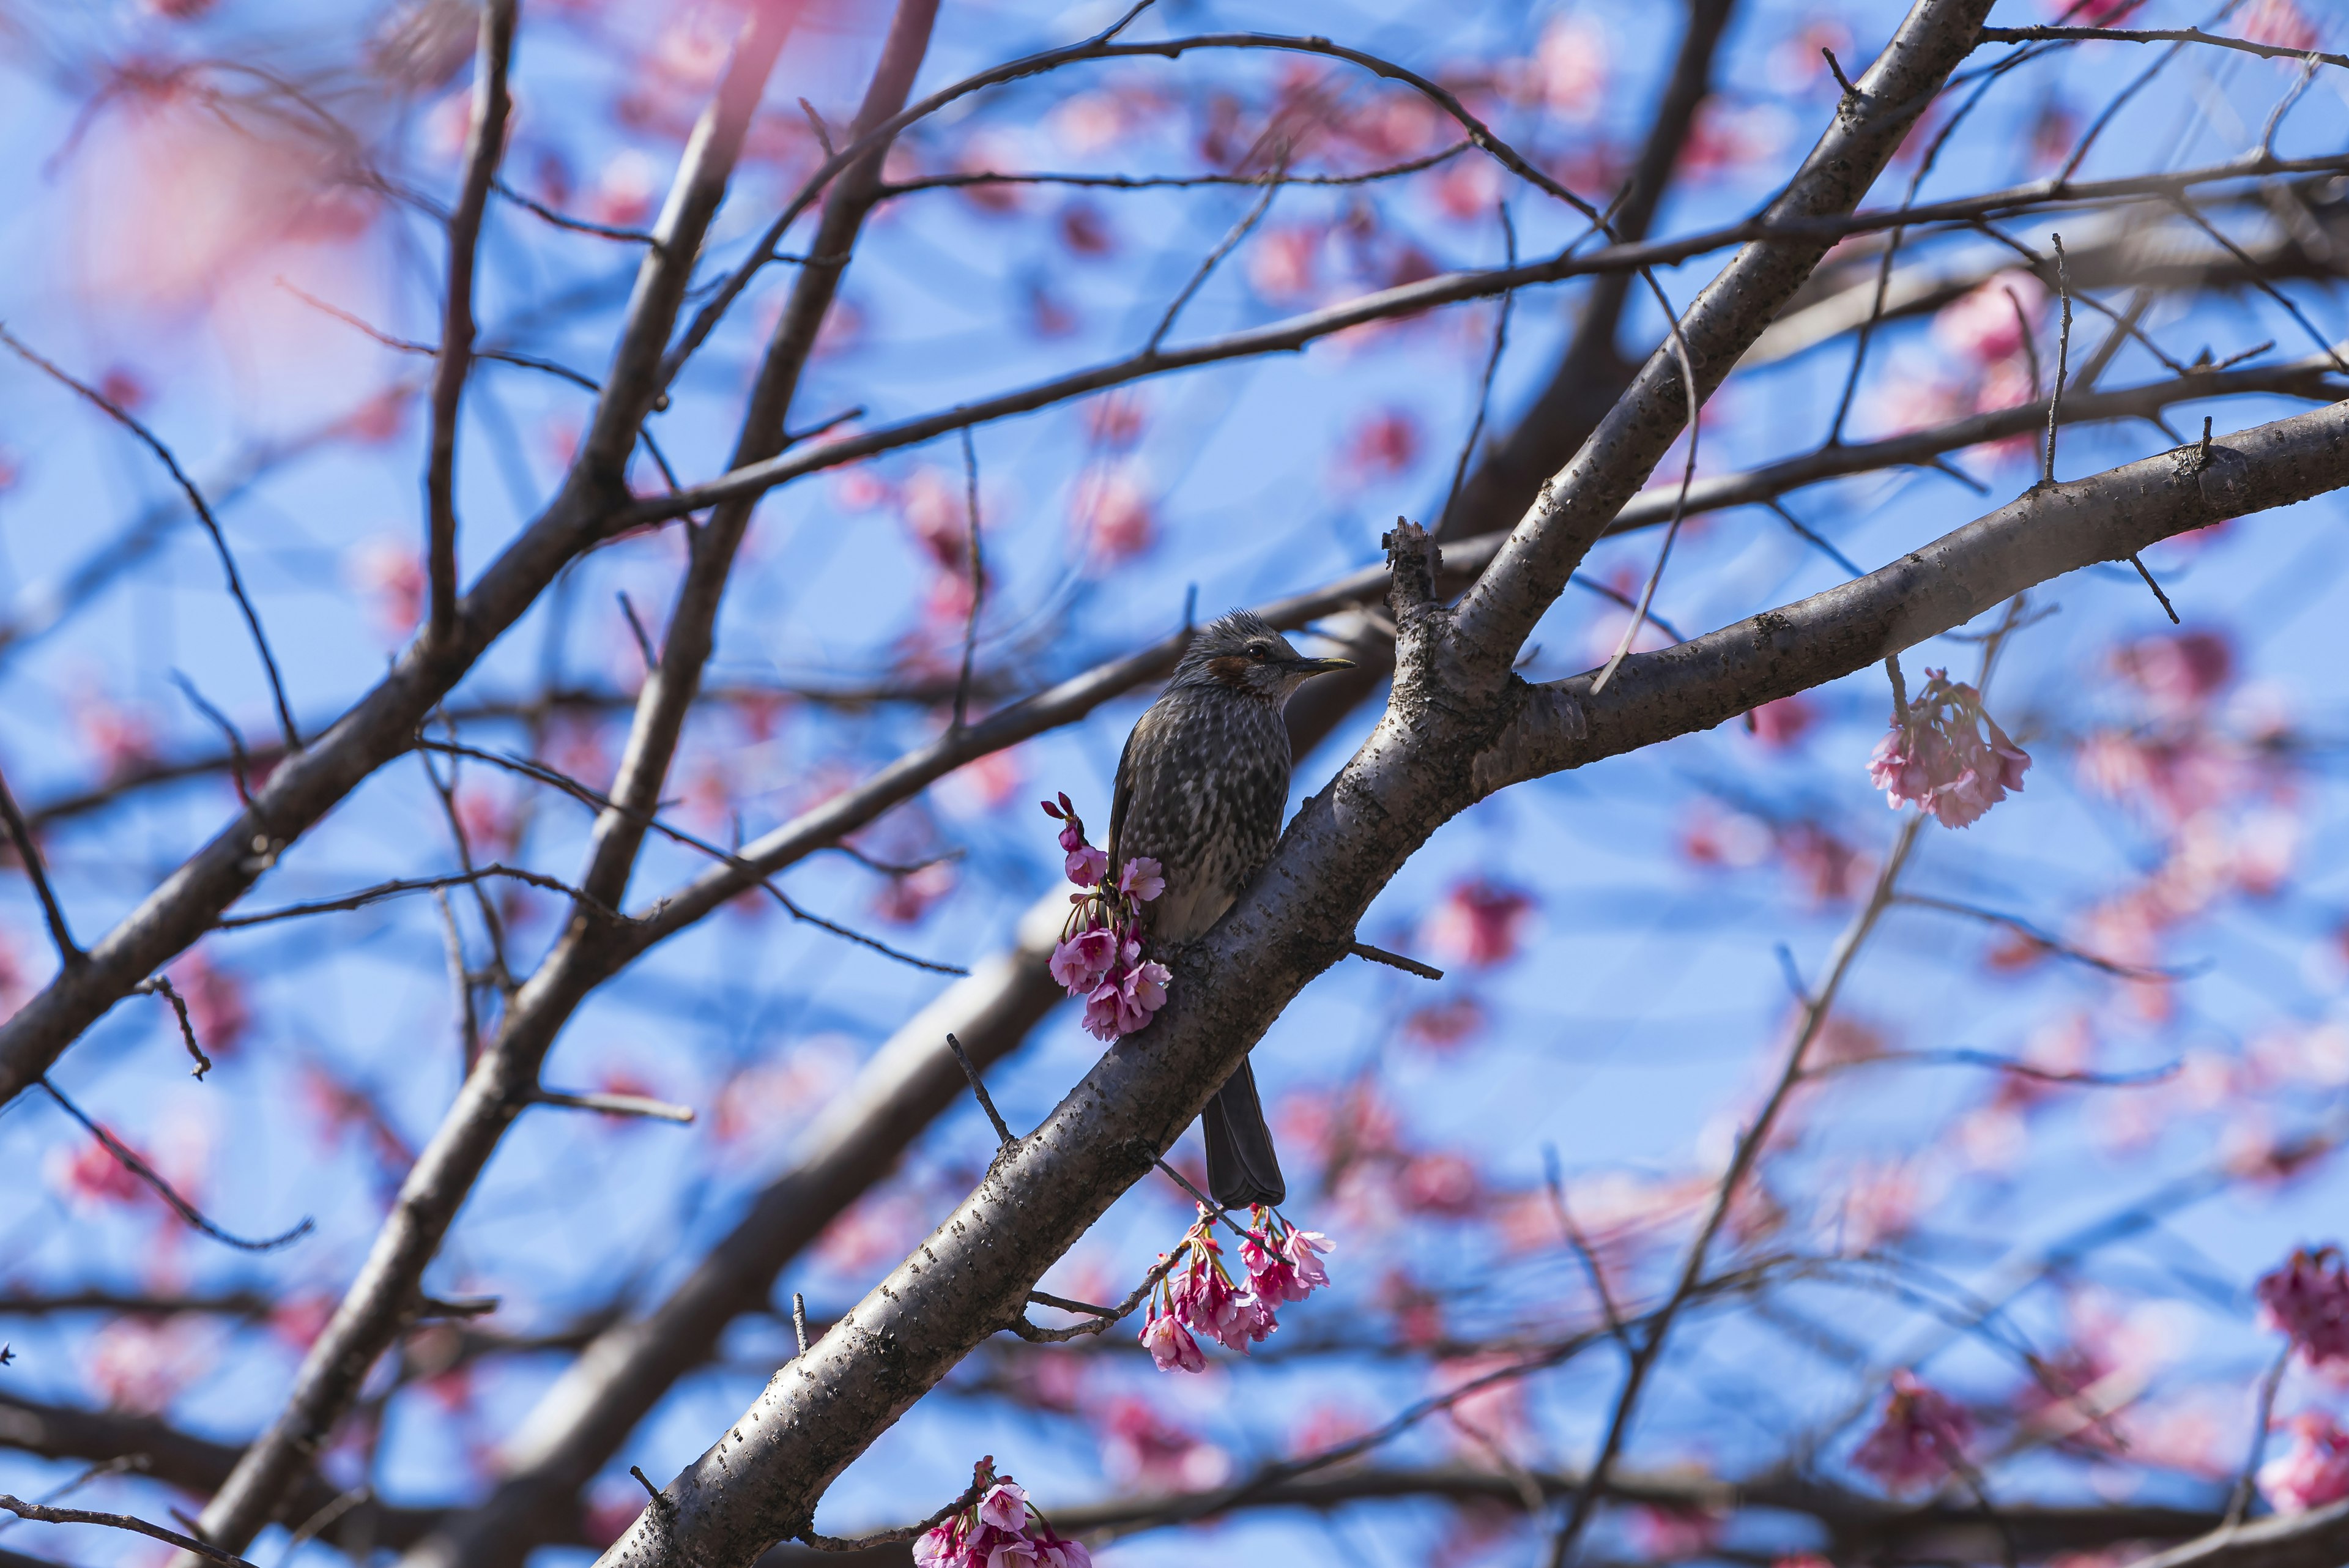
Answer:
(2158, 35)
(171, 463)
(383, 725)
(2317, 1539)
(1810, 234)
(485, 143)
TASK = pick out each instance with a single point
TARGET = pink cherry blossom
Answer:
(1937, 756)
(2308, 1299)
(1079, 963)
(1103, 1019)
(1005, 1506)
(1170, 1344)
(1921, 1437)
(1271, 1276)
(1303, 1249)
(1141, 878)
(2313, 1471)
(1087, 865)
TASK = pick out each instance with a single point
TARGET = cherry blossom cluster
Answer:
(2308, 1299)
(1201, 1300)
(2312, 1472)
(999, 1530)
(1920, 1438)
(1100, 956)
(1937, 754)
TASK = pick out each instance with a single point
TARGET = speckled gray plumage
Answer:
(1201, 789)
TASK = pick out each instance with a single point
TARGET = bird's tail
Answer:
(1242, 1169)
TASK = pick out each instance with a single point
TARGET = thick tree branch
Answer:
(1581, 499)
(2048, 530)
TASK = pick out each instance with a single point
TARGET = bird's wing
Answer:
(1122, 793)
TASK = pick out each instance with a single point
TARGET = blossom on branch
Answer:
(1000, 1530)
(2311, 1473)
(1920, 1438)
(1938, 756)
(2308, 1299)
(1201, 1300)
(1100, 954)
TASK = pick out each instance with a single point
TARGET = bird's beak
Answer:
(1321, 666)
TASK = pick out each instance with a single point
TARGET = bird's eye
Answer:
(1260, 652)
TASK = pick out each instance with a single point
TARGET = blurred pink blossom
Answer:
(1480, 923)
(2178, 672)
(1980, 328)
(2308, 1299)
(1921, 1436)
(1570, 66)
(2312, 1472)
(2283, 24)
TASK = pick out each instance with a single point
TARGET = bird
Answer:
(1201, 788)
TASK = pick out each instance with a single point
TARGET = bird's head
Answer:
(1238, 652)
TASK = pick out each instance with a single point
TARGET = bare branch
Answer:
(2157, 36)
(129, 1159)
(29, 854)
(153, 443)
(485, 143)
(204, 1550)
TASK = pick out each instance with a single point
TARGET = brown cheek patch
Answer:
(1231, 669)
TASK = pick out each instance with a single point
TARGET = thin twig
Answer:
(158, 985)
(613, 1104)
(1814, 540)
(799, 1321)
(163, 454)
(2025, 335)
(1491, 366)
(1163, 182)
(433, 351)
(1555, 1179)
(485, 143)
(239, 766)
(186, 1211)
(2157, 36)
(815, 123)
(978, 1087)
(47, 1515)
(1101, 1316)
(644, 638)
(566, 221)
(2063, 363)
(2239, 1502)
(404, 885)
(1394, 960)
(977, 577)
(2258, 281)
(2167, 609)
(1239, 232)
(1748, 1151)
(2284, 105)
(2039, 937)
(69, 953)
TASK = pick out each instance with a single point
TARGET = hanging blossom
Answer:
(999, 1530)
(2308, 1299)
(1201, 1300)
(1921, 1437)
(2311, 1473)
(1937, 757)
(1100, 956)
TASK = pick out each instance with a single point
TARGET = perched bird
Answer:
(1201, 789)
